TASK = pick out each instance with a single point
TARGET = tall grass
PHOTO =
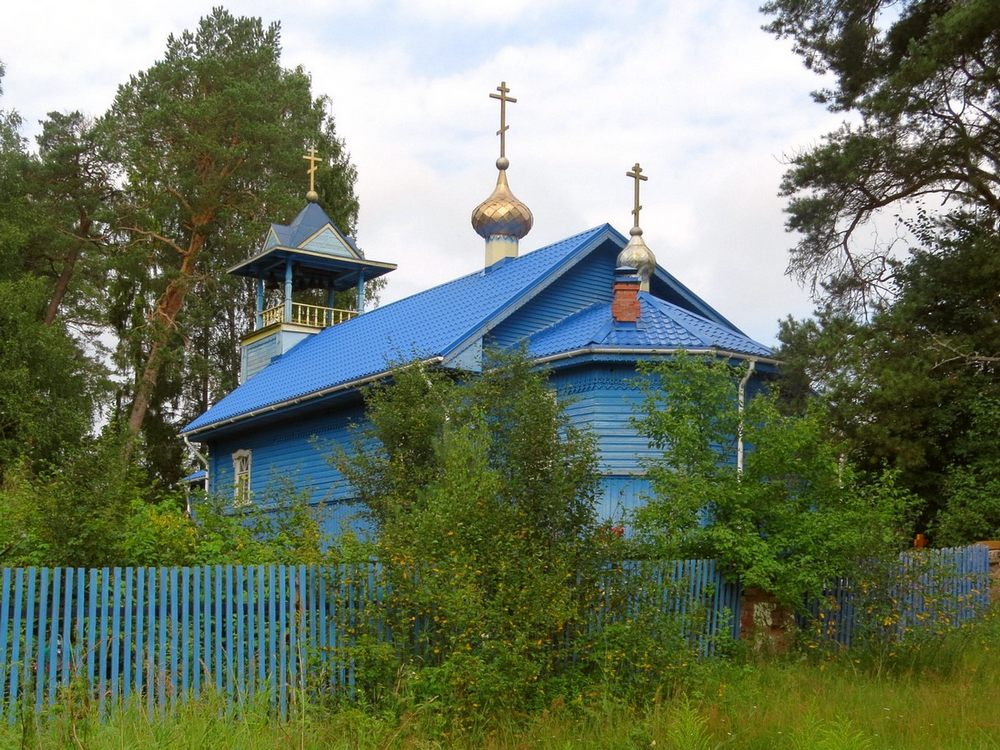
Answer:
(946, 695)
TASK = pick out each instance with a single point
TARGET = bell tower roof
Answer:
(324, 256)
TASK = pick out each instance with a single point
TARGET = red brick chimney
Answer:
(625, 296)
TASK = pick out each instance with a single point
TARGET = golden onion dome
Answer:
(502, 214)
(637, 255)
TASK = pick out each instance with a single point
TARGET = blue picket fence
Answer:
(926, 591)
(157, 637)
(160, 636)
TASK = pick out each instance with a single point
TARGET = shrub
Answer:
(796, 518)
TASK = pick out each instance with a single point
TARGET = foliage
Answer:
(72, 514)
(208, 144)
(972, 510)
(482, 495)
(123, 226)
(780, 704)
(97, 510)
(909, 381)
(916, 387)
(921, 79)
(47, 387)
(797, 517)
(903, 613)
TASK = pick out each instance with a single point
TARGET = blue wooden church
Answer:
(588, 308)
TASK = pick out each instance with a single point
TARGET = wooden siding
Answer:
(618, 496)
(587, 283)
(258, 354)
(328, 242)
(603, 398)
(294, 455)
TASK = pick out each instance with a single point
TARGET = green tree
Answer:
(921, 79)
(916, 387)
(797, 517)
(482, 496)
(913, 380)
(208, 145)
(70, 187)
(48, 389)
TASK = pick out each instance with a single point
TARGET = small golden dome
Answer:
(637, 255)
(502, 214)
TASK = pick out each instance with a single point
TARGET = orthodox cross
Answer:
(502, 96)
(313, 161)
(637, 175)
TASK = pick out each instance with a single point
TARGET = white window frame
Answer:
(242, 466)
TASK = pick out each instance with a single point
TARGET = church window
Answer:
(241, 478)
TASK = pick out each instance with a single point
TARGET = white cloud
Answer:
(695, 92)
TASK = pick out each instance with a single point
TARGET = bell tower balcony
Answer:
(310, 316)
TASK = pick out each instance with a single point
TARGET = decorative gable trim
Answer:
(337, 244)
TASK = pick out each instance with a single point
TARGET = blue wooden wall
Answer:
(295, 454)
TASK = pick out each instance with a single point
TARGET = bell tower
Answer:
(300, 267)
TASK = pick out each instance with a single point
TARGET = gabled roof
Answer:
(311, 220)
(661, 326)
(323, 256)
(432, 324)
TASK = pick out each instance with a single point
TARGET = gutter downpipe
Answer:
(742, 401)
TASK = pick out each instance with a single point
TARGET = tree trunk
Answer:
(69, 265)
(164, 319)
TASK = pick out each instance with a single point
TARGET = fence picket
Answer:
(282, 644)
(173, 647)
(15, 664)
(185, 591)
(52, 650)
(240, 635)
(29, 632)
(38, 668)
(115, 641)
(5, 620)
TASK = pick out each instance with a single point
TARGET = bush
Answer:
(796, 518)
(482, 495)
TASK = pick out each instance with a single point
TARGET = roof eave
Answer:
(298, 400)
(653, 351)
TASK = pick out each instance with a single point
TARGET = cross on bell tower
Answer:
(637, 254)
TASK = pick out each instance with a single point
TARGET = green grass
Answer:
(944, 695)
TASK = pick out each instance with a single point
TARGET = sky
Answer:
(710, 105)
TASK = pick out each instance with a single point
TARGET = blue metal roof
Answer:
(310, 220)
(661, 325)
(429, 324)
